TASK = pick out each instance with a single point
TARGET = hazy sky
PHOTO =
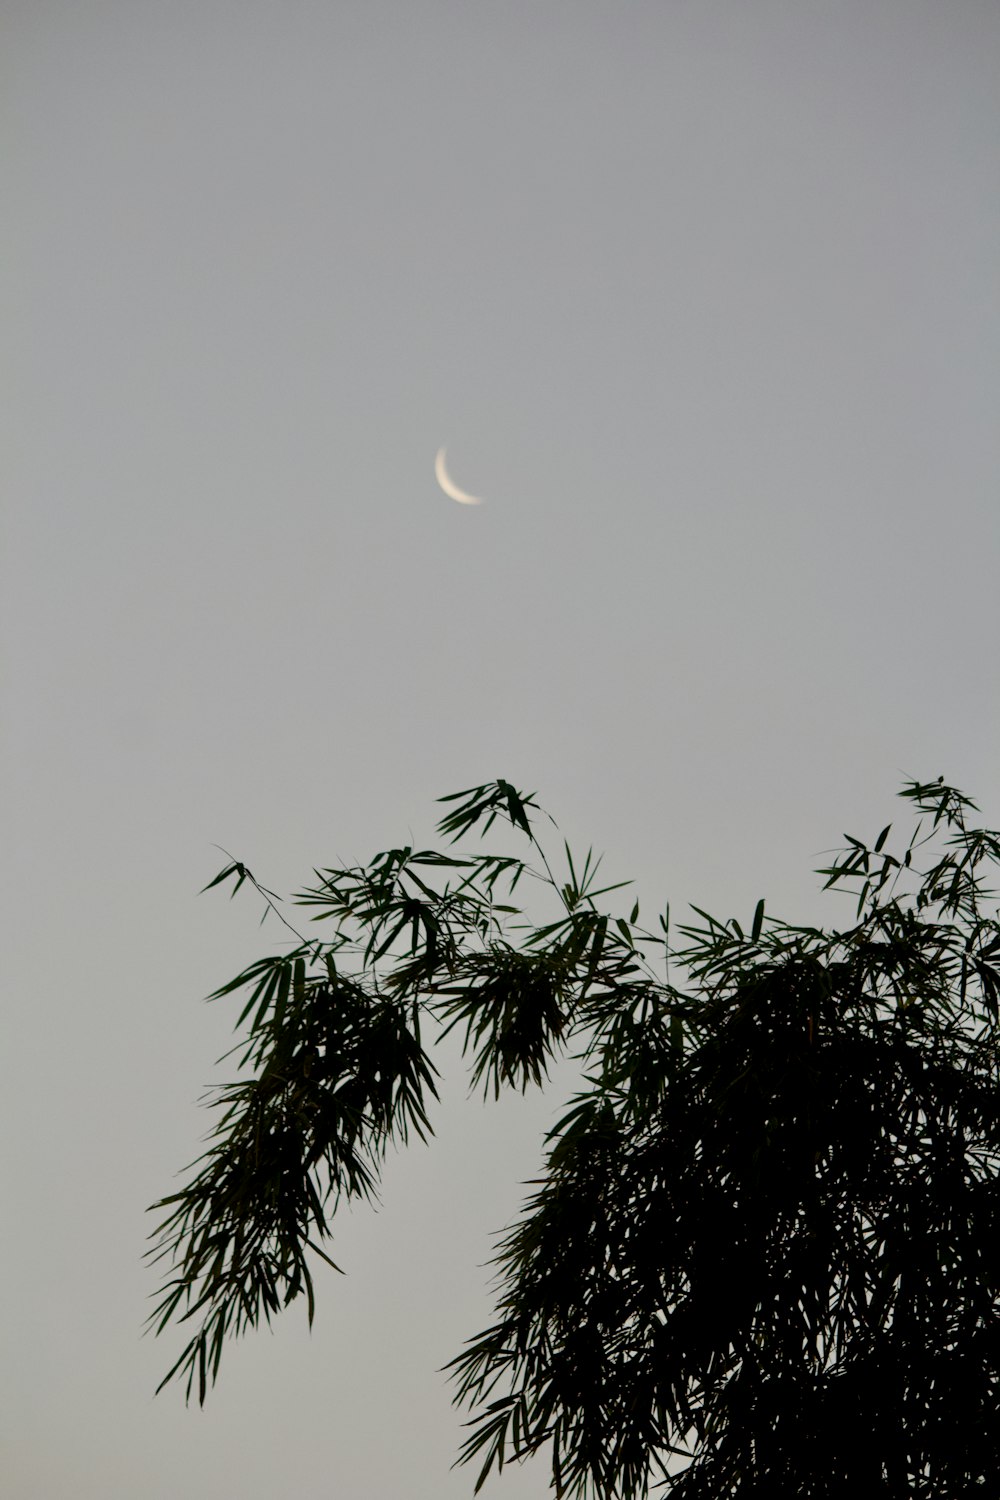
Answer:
(703, 298)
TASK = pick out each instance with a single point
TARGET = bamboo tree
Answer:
(761, 1259)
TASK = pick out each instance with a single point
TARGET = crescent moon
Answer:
(449, 486)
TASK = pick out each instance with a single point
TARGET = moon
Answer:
(449, 486)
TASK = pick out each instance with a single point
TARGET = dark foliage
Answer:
(762, 1259)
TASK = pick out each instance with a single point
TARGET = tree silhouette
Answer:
(762, 1256)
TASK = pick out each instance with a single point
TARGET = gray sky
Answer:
(704, 300)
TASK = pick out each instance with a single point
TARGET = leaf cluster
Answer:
(760, 1258)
